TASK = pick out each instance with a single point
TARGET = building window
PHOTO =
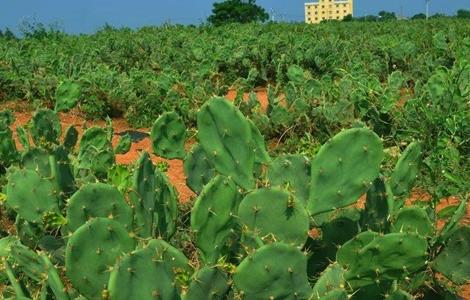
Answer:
(309, 19)
(344, 11)
(337, 11)
(316, 19)
(337, 18)
(323, 6)
(317, 12)
(323, 18)
(344, 5)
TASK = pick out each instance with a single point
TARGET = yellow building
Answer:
(315, 12)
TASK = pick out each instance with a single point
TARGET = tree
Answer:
(463, 14)
(8, 34)
(438, 16)
(237, 11)
(420, 16)
(387, 16)
(348, 18)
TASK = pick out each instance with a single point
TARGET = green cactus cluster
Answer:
(260, 227)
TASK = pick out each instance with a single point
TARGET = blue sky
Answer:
(84, 16)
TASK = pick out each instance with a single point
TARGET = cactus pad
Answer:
(213, 216)
(91, 253)
(274, 271)
(406, 171)
(67, 96)
(378, 207)
(454, 260)
(31, 196)
(389, 257)
(344, 169)
(97, 200)
(330, 279)
(208, 284)
(142, 274)
(275, 215)
(413, 219)
(294, 171)
(225, 135)
(168, 136)
(45, 128)
(198, 169)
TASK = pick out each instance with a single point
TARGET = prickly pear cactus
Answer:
(67, 96)
(344, 169)
(378, 207)
(176, 263)
(294, 171)
(138, 273)
(95, 152)
(91, 252)
(45, 128)
(209, 283)
(331, 279)
(399, 295)
(124, 144)
(97, 200)
(389, 257)
(154, 201)
(406, 171)
(23, 137)
(37, 159)
(198, 169)
(347, 252)
(274, 271)
(413, 219)
(261, 154)
(213, 217)
(225, 135)
(168, 136)
(259, 208)
(70, 138)
(454, 260)
(8, 151)
(31, 195)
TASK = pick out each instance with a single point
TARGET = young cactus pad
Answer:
(225, 135)
(344, 169)
(274, 271)
(91, 253)
(168, 136)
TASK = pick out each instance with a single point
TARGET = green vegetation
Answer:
(354, 108)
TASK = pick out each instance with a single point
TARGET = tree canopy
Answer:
(237, 11)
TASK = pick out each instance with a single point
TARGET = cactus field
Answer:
(291, 171)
